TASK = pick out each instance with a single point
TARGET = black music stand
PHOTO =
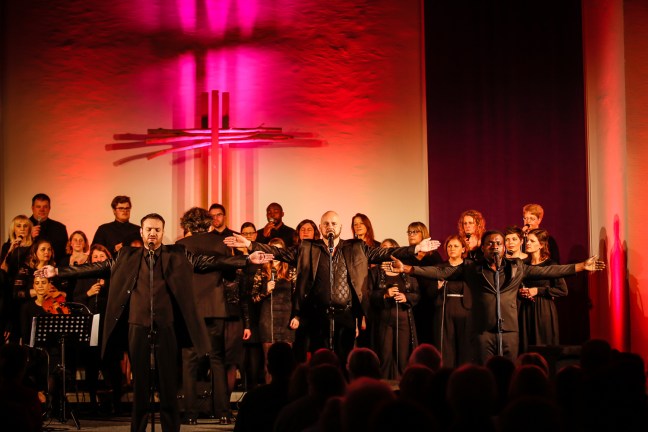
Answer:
(48, 330)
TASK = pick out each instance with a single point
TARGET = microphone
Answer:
(273, 274)
(271, 220)
(497, 258)
(331, 246)
(38, 221)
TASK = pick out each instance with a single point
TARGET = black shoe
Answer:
(225, 420)
(191, 421)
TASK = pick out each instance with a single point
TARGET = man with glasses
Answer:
(120, 232)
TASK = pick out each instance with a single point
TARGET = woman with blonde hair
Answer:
(15, 250)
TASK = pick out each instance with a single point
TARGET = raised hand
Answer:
(237, 241)
(395, 266)
(259, 257)
(47, 272)
(427, 245)
(592, 264)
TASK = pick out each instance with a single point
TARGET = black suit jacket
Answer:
(208, 287)
(178, 266)
(357, 255)
(484, 310)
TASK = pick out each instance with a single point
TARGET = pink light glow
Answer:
(187, 14)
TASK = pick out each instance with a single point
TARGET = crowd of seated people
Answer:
(400, 312)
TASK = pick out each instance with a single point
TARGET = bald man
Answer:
(332, 280)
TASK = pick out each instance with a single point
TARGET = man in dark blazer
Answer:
(487, 276)
(209, 290)
(164, 302)
(345, 300)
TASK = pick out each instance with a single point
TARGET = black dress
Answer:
(276, 308)
(538, 317)
(394, 333)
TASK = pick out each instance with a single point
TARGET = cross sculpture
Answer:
(215, 142)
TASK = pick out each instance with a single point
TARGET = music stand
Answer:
(48, 330)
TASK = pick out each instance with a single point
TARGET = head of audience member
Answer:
(218, 214)
(471, 223)
(426, 355)
(121, 207)
(493, 245)
(471, 395)
(513, 238)
(502, 369)
(99, 253)
(416, 233)
(415, 384)
(532, 215)
(41, 254)
(569, 385)
(404, 415)
(77, 243)
(325, 381)
(324, 356)
(330, 223)
(280, 267)
(275, 213)
(538, 241)
(439, 403)
(196, 220)
(455, 247)
(596, 355)
(530, 380)
(362, 229)
(306, 230)
(363, 362)
(364, 399)
(21, 228)
(41, 206)
(532, 358)
(152, 230)
(281, 361)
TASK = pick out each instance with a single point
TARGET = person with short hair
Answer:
(491, 325)
(275, 226)
(120, 232)
(45, 228)
(152, 292)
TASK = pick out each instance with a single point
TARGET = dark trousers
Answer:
(190, 363)
(343, 336)
(393, 350)
(456, 348)
(166, 377)
(486, 345)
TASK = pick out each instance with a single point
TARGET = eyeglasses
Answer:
(413, 232)
(246, 234)
(123, 208)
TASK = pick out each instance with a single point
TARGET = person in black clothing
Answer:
(335, 294)
(120, 232)
(167, 305)
(490, 325)
(209, 290)
(275, 227)
(46, 228)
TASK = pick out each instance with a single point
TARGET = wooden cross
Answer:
(214, 143)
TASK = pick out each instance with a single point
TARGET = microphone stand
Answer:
(152, 340)
(443, 306)
(331, 248)
(498, 296)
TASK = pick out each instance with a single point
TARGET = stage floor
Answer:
(122, 424)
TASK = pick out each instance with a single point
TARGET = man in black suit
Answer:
(209, 290)
(485, 277)
(120, 232)
(44, 227)
(338, 294)
(151, 288)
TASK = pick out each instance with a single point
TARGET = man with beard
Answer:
(151, 291)
(494, 283)
(332, 281)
